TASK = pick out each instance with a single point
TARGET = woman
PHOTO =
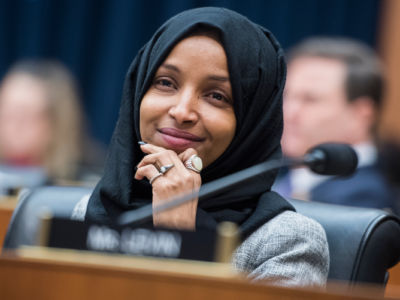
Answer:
(208, 87)
(40, 125)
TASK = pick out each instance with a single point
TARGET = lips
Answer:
(181, 134)
(179, 139)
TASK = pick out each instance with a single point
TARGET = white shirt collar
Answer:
(367, 154)
(303, 180)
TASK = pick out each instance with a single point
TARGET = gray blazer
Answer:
(290, 250)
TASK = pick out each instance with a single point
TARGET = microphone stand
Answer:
(209, 189)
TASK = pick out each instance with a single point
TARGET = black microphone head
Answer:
(332, 159)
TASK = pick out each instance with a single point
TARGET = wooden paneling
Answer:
(389, 44)
(389, 40)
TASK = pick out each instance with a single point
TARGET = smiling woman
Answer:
(187, 109)
(206, 91)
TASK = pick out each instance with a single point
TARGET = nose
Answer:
(185, 109)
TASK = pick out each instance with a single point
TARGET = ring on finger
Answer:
(164, 169)
(194, 163)
(155, 177)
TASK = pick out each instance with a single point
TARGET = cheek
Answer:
(143, 116)
(222, 127)
(318, 116)
(149, 113)
(40, 134)
(33, 139)
(329, 123)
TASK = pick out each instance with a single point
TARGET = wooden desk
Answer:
(67, 275)
(7, 205)
(393, 285)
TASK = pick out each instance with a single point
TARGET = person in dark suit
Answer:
(334, 94)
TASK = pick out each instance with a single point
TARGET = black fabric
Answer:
(257, 72)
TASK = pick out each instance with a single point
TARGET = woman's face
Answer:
(190, 104)
(25, 127)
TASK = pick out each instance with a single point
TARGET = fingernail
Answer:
(142, 143)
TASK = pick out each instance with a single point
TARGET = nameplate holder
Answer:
(201, 245)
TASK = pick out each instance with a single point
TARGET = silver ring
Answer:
(155, 177)
(164, 169)
(194, 163)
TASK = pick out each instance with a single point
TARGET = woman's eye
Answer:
(164, 82)
(217, 96)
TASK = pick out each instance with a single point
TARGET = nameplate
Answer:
(154, 242)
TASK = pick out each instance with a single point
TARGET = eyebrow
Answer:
(219, 78)
(171, 67)
(211, 77)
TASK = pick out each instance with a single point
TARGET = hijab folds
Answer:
(257, 73)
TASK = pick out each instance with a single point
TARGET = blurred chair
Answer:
(364, 243)
(24, 224)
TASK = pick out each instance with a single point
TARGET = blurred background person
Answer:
(333, 93)
(42, 136)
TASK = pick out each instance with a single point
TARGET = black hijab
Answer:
(257, 72)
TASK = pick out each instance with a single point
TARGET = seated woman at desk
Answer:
(202, 100)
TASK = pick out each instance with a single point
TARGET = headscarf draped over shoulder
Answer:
(257, 73)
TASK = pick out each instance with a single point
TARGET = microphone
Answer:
(324, 159)
(332, 159)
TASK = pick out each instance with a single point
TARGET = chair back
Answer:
(58, 200)
(363, 242)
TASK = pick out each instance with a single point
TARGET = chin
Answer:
(293, 151)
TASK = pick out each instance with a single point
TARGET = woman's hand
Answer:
(178, 180)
